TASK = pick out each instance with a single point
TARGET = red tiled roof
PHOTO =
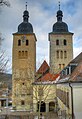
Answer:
(48, 77)
(43, 68)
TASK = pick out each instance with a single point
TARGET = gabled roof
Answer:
(48, 77)
(77, 59)
(43, 68)
(74, 63)
(76, 73)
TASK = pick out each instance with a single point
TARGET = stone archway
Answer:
(43, 106)
(3, 103)
(51, 106)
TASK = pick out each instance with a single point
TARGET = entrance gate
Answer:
(51, 106)
(43, 107)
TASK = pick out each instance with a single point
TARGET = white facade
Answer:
(77, 100)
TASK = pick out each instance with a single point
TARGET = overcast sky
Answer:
(42, 16)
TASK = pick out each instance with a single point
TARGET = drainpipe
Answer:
(72, 100)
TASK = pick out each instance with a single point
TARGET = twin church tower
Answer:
(24, 57)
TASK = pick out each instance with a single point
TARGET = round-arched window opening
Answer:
(65, 42)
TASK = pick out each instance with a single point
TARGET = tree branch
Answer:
(4, 2)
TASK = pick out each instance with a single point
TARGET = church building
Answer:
(24, 63)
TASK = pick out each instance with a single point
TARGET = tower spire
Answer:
(25, 14)
(59, 5)
(26, 6)
(59, 14)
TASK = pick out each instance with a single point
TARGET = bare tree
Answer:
(3, 62)
(42, 91)
(4, 2)
(3, 58)
(42, 87)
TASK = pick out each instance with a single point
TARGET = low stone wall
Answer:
(16, 117)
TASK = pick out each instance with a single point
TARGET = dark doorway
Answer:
(3, 103)
(51, 106)
(42, 108)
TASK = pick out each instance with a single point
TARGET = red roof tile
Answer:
(43, 68)
(49, 77)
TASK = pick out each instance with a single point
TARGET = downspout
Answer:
(72, 100)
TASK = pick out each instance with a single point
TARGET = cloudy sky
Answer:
(42, 17)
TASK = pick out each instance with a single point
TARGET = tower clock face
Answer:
(23, 38)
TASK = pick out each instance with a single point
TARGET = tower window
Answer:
(61, 54)
(19, 54)
(59, 66)
(23, 83)
(26, 53)
(19, 42)
(65, 42)
(22, 102)
(26, 42)
(57, 42)
(65, 54)
(63, 65)
(22, 53)
(57, 53)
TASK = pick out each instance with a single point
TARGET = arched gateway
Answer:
(42, 108)
(51, 106)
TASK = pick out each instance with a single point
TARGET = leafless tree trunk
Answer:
(40, 94)
(3, 59)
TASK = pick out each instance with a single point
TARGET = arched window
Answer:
(57, 54)
(51, 106)
(42, 106)
(23, 83)
(63, 65)
(26, 42)
(19, 54)
(65, 54)
(26, 53)
(65, 42)
(19, 42)
(59, 66)
(22, 102)
(22, 53)
(61, 54)
(57, 42)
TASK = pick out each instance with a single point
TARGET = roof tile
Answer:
(48, 77)
(43, 68)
